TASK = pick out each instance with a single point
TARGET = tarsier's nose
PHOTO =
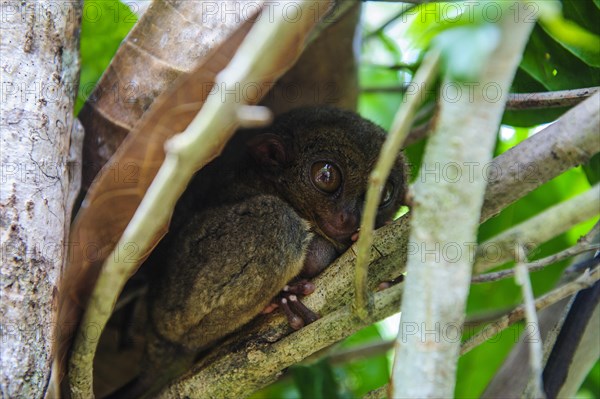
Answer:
(348, 220)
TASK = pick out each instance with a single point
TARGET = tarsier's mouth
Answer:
(341, 236)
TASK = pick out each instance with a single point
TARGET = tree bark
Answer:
(41, 146)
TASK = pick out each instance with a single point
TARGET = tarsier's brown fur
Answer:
(254, 219)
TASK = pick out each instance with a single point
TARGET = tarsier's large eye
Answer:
(326, 176)
(387, 195)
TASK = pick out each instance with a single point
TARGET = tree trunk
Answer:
(41, 145)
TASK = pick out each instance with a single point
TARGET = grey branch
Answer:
(516, 101)
(538, 229)
(548, 153)
(584, 281)
(584, 245)
(551, 99)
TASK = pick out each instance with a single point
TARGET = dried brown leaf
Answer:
(172, 38)
(119, 188)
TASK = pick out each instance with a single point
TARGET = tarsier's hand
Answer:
(320, 253)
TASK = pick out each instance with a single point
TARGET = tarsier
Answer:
(275, 208)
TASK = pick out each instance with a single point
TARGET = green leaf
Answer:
(592, 169)
(525, 83)
(476, 368)
(465, 50)
(382, 50)
(584, 13)
(316, 381)
(104, 26)
(379, 107)
(577, 40)
(366, 335)
(431, 19)
(363, 375)
(554, 67)
(591, 386)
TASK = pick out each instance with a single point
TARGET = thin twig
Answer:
(384, 89)
(538, 229)
(550, 99)
(361, 352)
(394, 67)
(537, 265)
(535, 343)
(584, 281)
(516, 101)
(543, 156)
(426, 74)
(485, 317)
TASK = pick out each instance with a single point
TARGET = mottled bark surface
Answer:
(40, 71)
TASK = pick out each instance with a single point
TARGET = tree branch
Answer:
(584, 281)
(584, 245)
(436, 290)
(543, 156)
(538, 229)
(246, 367)
(535, 344)
(516, 101)
(40, 169)
(550, 99)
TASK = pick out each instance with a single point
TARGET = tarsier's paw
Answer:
(297, 313)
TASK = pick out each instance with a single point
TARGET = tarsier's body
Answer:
(280, 202)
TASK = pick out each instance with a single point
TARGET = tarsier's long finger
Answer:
(301, 287)
(300, 309)
(294, 320)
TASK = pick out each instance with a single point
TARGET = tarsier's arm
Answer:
(319, 254)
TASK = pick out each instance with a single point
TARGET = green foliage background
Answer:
(563, 53)
(104, 25)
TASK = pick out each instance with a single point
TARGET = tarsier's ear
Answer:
(268, 150)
